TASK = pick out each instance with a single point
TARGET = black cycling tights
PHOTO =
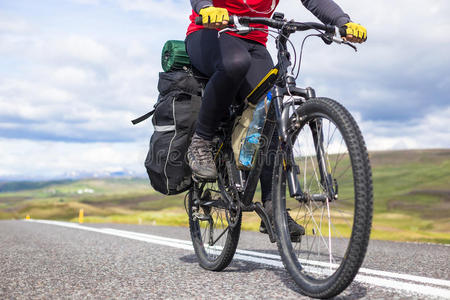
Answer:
(235, 66)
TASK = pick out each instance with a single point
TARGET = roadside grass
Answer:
(401, 227)
(386, 226)
(173, 216)
(411, 199)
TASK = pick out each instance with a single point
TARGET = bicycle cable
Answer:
(301, 53)
(300, 56)
(321, 34)
(268, 31)
(290, 43)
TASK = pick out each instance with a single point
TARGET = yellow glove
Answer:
(355, 32)
(212, 15)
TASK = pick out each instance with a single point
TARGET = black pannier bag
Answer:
(174, 119)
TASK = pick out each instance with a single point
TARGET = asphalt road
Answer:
(63, 260)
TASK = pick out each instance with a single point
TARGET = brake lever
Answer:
(337, 38)
(238, 28)
(350, 45)
(242, 31)
(228, 29)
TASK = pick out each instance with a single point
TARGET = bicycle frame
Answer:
(278, 117)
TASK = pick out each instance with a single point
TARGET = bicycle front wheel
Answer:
(336, 209)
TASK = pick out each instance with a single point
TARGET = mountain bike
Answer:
(322, 176)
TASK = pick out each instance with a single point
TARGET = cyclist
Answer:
(235, 64)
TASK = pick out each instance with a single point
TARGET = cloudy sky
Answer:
(73, 73)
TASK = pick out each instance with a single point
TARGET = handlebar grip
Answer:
(199, 20)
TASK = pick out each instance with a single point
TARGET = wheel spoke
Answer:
(220, 235)
(214, 240)
(320, 233)
(339, 157)
(329, 232)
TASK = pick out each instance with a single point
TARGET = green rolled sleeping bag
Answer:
(174, 56)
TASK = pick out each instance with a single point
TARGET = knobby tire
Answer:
(344, 265)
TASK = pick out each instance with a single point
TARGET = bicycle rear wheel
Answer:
(336, 210)
(214, 220)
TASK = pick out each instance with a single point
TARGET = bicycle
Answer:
(321, 155)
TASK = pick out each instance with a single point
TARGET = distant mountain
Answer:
(13, 186)
(74, 175)
(101, 174)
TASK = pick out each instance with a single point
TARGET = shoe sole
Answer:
(198, 178)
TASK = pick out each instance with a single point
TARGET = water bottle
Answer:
(251, 143)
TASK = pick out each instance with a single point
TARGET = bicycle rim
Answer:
(335, 178)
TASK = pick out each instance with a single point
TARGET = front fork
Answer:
(325, 173)
(288, 160)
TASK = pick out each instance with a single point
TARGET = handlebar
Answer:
(280, 24)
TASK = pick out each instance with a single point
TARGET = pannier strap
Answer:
(143, 118)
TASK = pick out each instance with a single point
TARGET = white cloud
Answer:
(399, 73)
(137, 50)
(12, 24)
(73, 76)
(77, 87)
(173, 10)
(90, 2)
(50, 159)
(76, 47)
(431, 131)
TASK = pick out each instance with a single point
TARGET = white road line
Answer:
(408, 277)
(275, 260)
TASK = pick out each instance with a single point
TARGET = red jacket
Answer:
(239, 8)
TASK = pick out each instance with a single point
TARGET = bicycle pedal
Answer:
(296, 238)
(201, 217)
(263, 229)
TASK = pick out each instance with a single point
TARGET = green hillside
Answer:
(411, 189)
